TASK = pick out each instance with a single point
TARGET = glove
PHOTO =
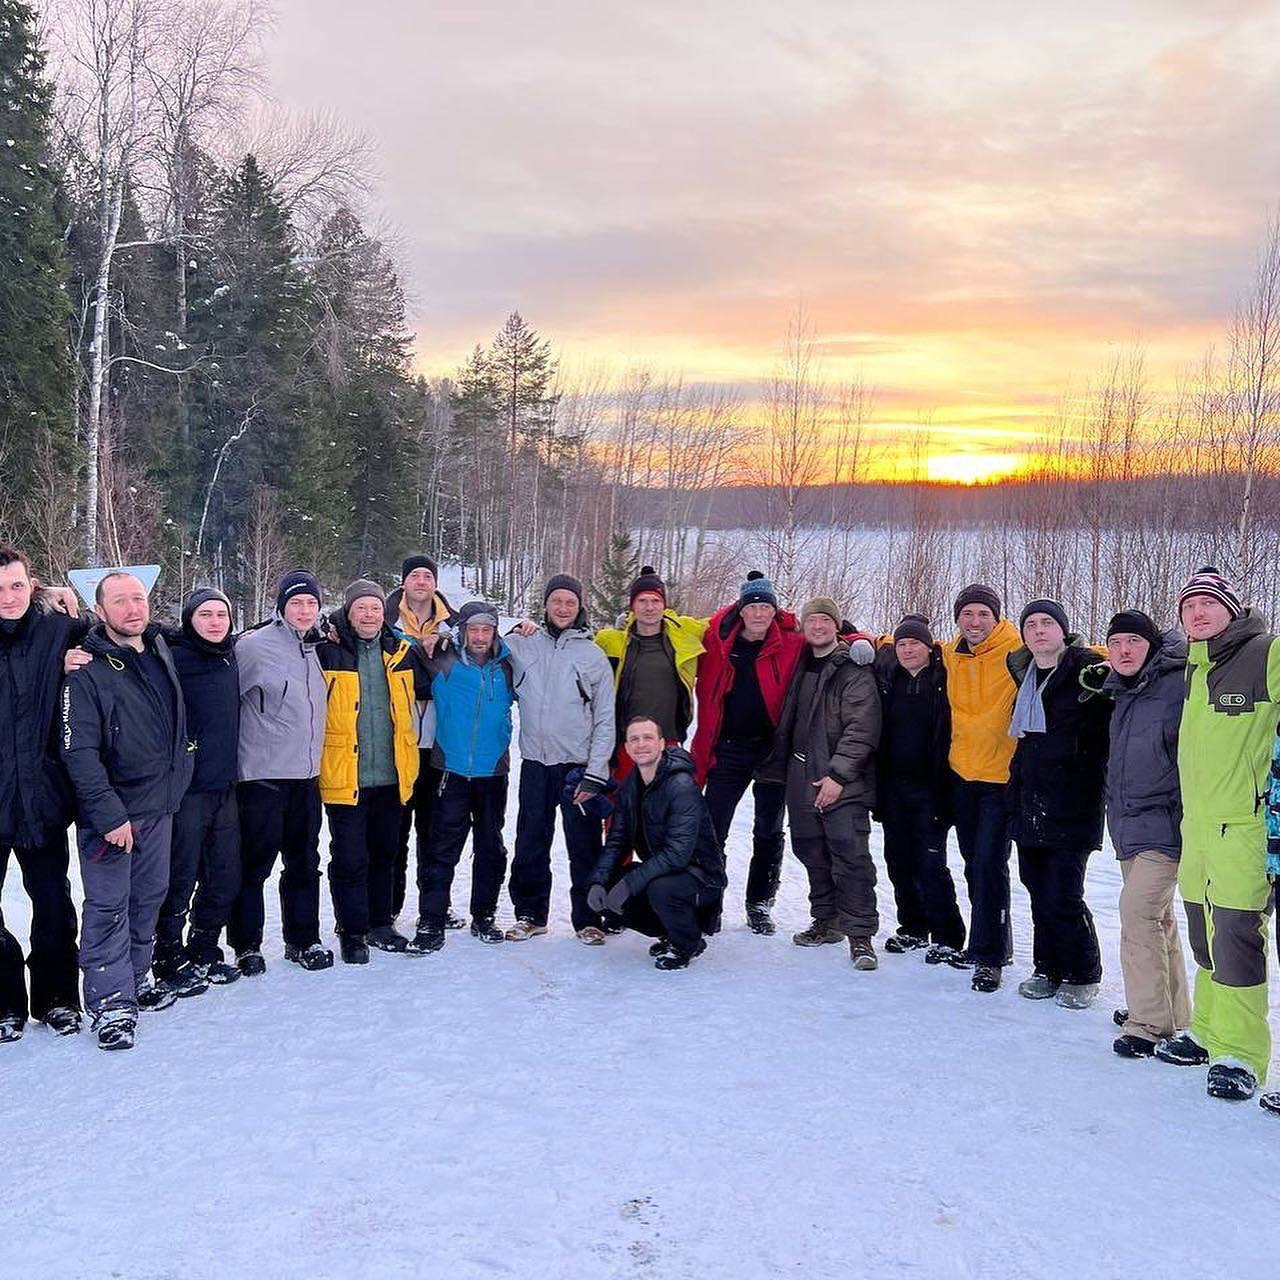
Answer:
(862, 652)
(616, 897)
(596, 897)
(1091, 677)
(592, 786)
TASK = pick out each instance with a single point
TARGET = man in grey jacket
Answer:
(282, 720)
(564, 685)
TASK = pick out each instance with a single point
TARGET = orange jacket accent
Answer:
(981, 692)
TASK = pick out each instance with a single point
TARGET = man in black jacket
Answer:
(205, 853)
(35, 804)
(124, 743)
(912, 787)
(675, 889)
(1055, 802)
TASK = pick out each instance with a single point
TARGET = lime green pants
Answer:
(1227, 896)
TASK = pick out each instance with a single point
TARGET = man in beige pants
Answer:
(1144, 813)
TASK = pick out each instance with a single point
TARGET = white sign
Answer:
(86, 581)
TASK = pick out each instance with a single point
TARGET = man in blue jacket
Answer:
(473, 689)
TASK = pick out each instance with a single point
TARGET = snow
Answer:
(548, 1109)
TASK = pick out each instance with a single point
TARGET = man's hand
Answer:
(526, 627)
(828, 793)
(616, 896)
(121, 836)
(75, 658)
(596, 897)
(62, 599)
(430, 642)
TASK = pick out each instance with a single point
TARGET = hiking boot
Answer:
(250, 963)
(659, 948)
(313, 957)
(115, 1028)
(1231, 1081)
(819, 934)
(940, 953)
(62, 1020)
(387, 937)
(961, 960)
(452, 920)
(1133, 1047)
(186, 981)
(153, 995)
(1181, 1051)
(11, 1029)
(1038, 987)
(428, 938)
(1076, 995)
(676, 960)
(524, 929)
(591, 936)
(759, 919)
(354, 948)
(986, 978)
(899, 943)
(863, 954)
(219, 973)
(482, 927)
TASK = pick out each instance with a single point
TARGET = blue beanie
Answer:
(756, 590)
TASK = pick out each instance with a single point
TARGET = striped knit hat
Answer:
(1209, 581)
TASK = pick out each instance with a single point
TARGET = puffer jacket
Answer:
(282, 703)
(775, 664)
(1057, 778)
(1144, 801)
(211, 691)
(473, 704)
(914, 708)
(837, 733)
(120, 768)
(407, 681)
(677, 825)
(565, 688)
(981, 695)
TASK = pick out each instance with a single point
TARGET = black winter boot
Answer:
(387, 938)
(482, 927)
(1231, 1081)
(898, 943)
(759, 919)
(62, 1020)
(986, 978)
(1182, 1051)
(428, 938)
(115, 1028)
(250, 963)
(312, 957)
(1133, 1047)
(354, 948)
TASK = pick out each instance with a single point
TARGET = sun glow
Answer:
(974, 468)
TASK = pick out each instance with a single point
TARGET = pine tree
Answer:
(37, 384)
(618, 570)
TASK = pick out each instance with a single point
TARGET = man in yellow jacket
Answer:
(981, 693)
(373, 678)
(655, 663)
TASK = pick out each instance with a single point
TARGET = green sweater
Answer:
(374, 729)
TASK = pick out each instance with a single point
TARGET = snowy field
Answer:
(546, 1109)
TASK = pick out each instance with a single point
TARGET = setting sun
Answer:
(973, 468)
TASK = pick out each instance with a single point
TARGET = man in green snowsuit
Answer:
(1224, 763)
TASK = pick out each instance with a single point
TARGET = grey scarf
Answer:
(1028, 710)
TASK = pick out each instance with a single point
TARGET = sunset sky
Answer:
(975, 204)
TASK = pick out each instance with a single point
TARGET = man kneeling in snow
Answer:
(675, 890)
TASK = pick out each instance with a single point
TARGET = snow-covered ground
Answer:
(551, 1110)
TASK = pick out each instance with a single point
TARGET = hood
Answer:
(1238, 633)
(1001, 633)
(674, 760)
(497, 651)
(1171, 656)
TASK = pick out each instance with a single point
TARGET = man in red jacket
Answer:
(751, 651)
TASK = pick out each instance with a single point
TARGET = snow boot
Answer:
(759, 919)
(218, 972)
(313, 957)
(819, 934)
(186, 981)
(1076, 995)
(1120, 1016)
(482, 927)
(452, 920)
(386, 937)
(675, 960)
(900, 942)
(10, 1029)
(1038, 987)
(524, 929)
(591, 936)
(154, 996)
(1270, 1102)
(961, 960)
(62, 1020)
(612, 924)
(1231, 1081)
(428, 938)
(354, 948)
(986, 978)
(1181, 1051)
(940, 953)
(250, 963)
(659, 948)
(115, 1028)
(862, 954)
(1133, 1047)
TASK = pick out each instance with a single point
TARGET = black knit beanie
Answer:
(977, 593)
(648, 581)
(298, 582)
(418, 562)
(1052, 608)
(562, 582)
(1135, 623)
(914, 626)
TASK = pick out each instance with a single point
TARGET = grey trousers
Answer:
(123, 893)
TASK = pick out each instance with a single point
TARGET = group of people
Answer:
(191, 759)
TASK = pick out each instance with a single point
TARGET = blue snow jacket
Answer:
(1273, 813)
(473, 711)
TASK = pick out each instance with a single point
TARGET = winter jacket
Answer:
(775, 664)
(1228, 728)
(404, 622)
(1057, 778)
(565, 688)
(678, 830)
(914, 709)
(837, 733)
(211, 691)
(407, 681)
(683, 637)
(35, 793)
(1144, 803)
(121, 768)
(1273, 804)
(981, 695)
(473, 711)
(282, 703)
